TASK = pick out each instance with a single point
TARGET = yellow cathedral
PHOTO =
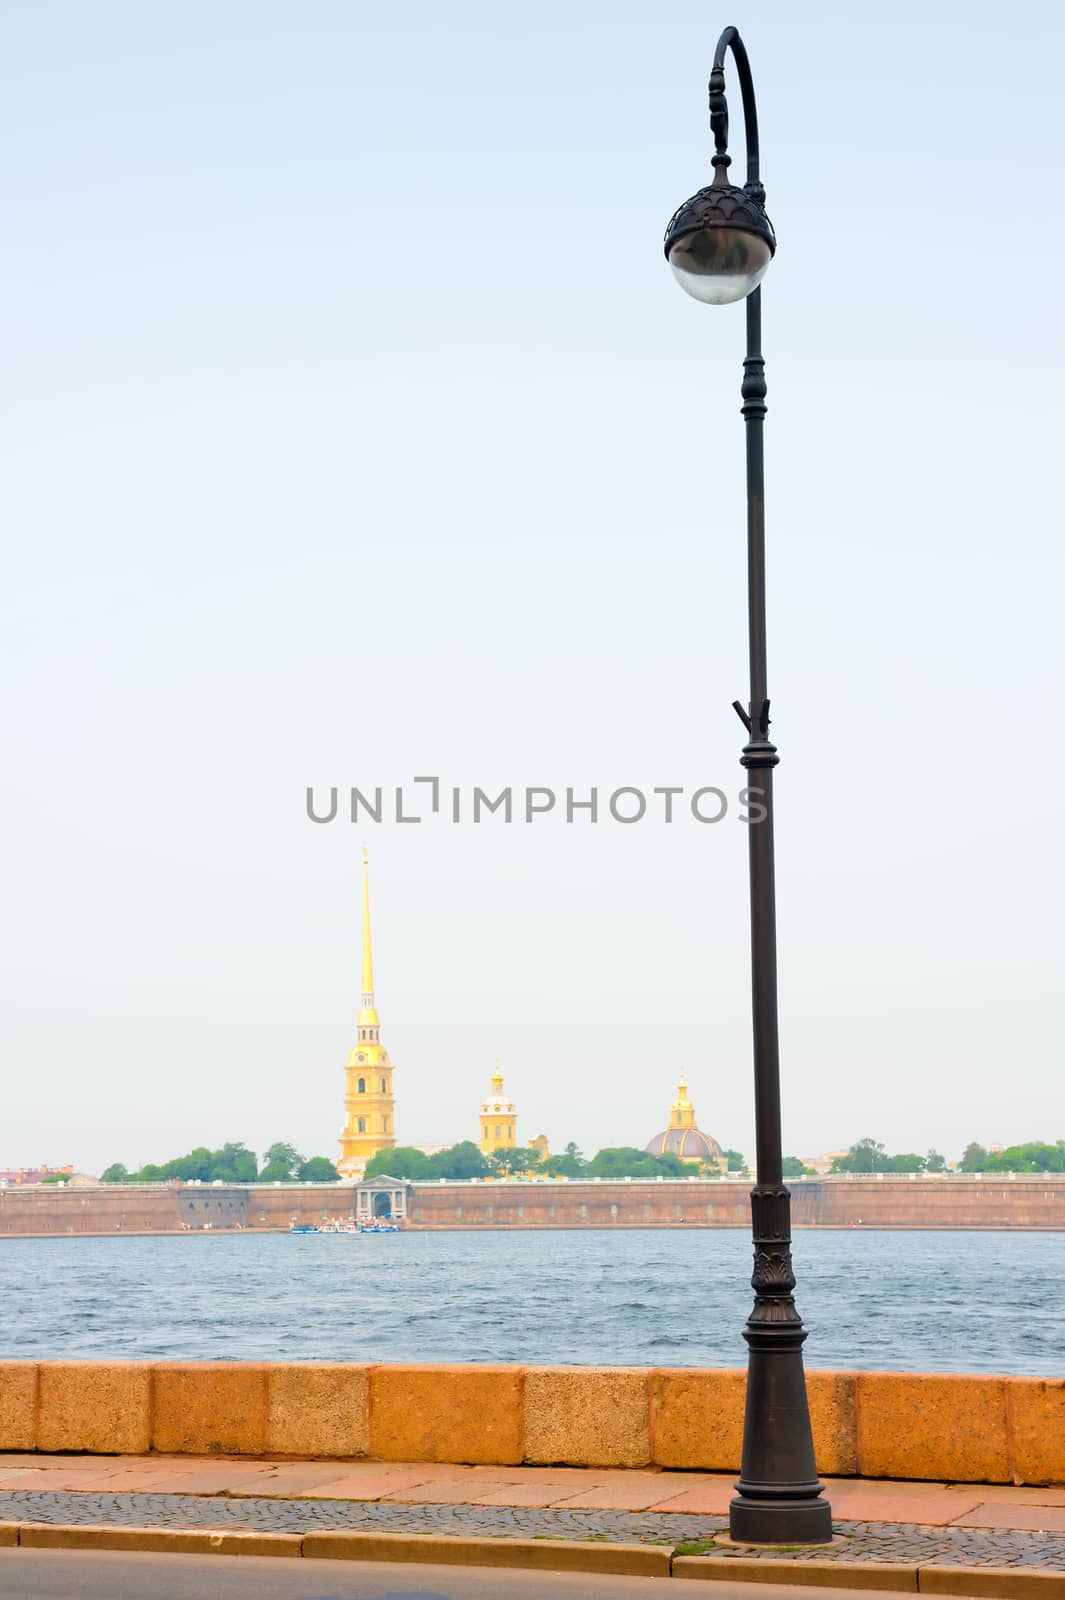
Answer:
(369, 1104)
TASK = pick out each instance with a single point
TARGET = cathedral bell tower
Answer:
(499, 1119)
(368, 1100)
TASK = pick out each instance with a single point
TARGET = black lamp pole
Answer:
(719, 244)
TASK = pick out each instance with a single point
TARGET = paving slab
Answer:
(632, 1496)
(887, 1502)
(441, 1492)
(1045, 1519)
(365, 1485)
(714, 1498)
(1012, 1494)
(288, 1480)
(521, 1494)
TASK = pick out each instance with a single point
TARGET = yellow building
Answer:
(368, 1101)
(499, 1119)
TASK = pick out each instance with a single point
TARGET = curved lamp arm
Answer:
(730, 40)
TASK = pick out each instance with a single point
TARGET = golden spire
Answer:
(497, 1078)
(683, 1112)
(367, 952)
(367, 1014)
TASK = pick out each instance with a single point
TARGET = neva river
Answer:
(949, 1302)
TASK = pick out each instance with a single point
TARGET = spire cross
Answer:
(367, 951)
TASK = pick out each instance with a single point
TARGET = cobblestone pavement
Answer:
(907, 1544)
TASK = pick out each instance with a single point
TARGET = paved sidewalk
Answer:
(908, 1524)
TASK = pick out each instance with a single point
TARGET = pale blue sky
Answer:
(354, 428)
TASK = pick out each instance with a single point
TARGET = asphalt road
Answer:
(105, 1575)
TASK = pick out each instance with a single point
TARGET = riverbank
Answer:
(976, 1202)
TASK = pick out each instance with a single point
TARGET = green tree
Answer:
(570, 1164)
(737, 1162)
(462, 1160)
(404, 1161)
(515, 1160)
(115, 1173)
(910, 1162)
(280, 1162)
(671, 1166)
(626, 1161)
(238, 1160)
(868, 1155)
(198, 1164)
(318, 1169)
(794, 1168)
(934, 1162)
(623, 1161)
(54, 1177)
(1033, 1157)
(974, 1158)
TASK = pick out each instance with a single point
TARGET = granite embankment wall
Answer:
(868, 1424)
(891, 1202)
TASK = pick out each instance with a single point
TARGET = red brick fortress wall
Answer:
(890, 1202)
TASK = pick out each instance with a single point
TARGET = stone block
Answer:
(997, 1583)
(95, 1407)
(8, 1535)
(833, 1413)
(318, 1409)
(209, 1407)
(587, 1416)
(164, 1541)
(849, 1575)
(933, 1426)
(697, 1417)
(1036, 1408)
(550, 1555)
(446, 1413)
(18, 1405)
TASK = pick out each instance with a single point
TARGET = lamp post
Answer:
(719, 245)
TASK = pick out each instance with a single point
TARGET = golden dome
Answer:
(682, 1137)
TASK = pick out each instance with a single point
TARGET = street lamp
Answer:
(719, 245)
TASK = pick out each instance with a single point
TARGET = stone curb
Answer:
(975, 1583)
(1009, 1583)
(550, 1555)
(546, 1555)
(163, 1541)
(827, 1574)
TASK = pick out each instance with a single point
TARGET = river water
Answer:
(949, 1302)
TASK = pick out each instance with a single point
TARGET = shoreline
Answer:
(552, 1227)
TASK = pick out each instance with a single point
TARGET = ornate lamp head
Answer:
(720, 242)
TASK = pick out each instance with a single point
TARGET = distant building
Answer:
(35, 1174)
(499, 1119)
(541, 1146)
(824, 1163)
(683, 1138)
(369, 1103)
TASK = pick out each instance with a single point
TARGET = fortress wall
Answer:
(999, 1202)
(1023, 1202)
(941, 1427)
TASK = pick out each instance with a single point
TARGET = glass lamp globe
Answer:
(718, 265)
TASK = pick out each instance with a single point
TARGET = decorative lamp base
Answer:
(775, 1521)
